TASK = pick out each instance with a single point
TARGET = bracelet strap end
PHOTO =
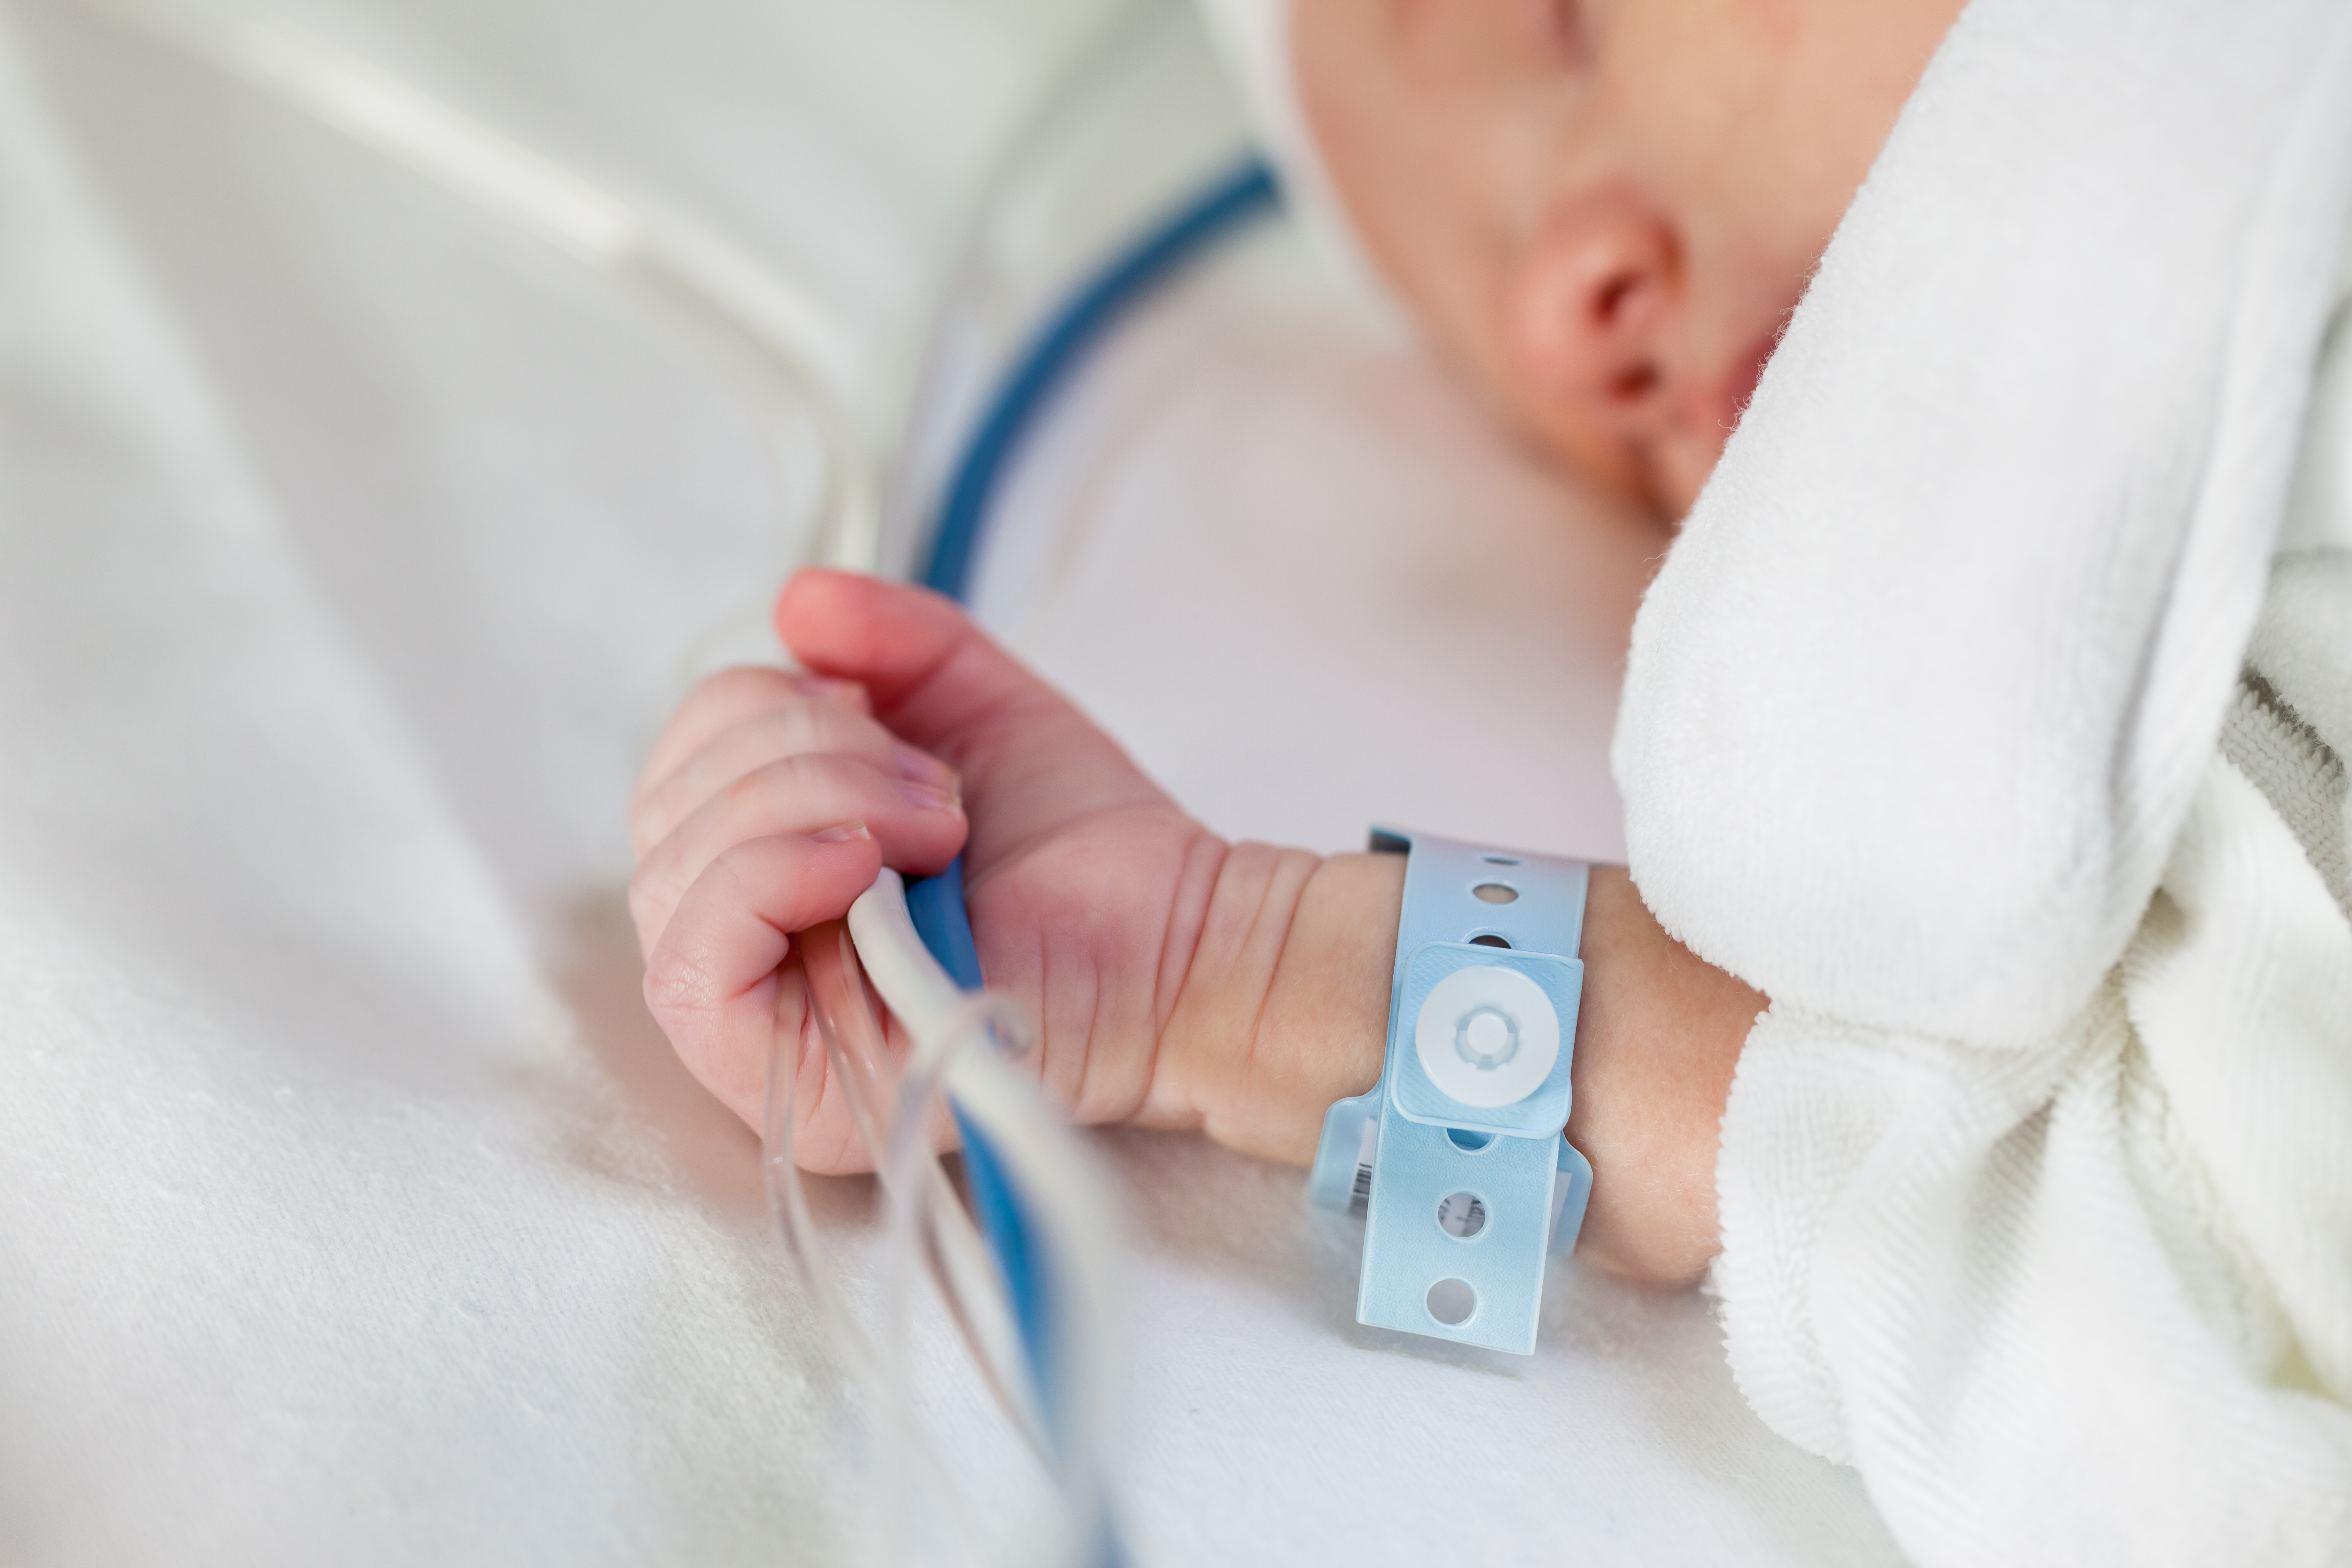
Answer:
(1571, 1189)
(1342, 1177)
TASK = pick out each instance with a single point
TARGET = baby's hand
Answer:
(1178, 980)
(766, 807)
(772, 799)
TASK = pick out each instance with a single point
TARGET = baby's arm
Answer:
(1179, 981)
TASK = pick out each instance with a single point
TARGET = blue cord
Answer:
(1232, 199)
(937, 903)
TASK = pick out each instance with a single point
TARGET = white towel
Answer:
(2036, 1180)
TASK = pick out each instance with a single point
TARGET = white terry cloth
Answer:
(2036, 1180)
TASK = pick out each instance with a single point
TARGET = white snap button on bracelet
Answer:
(1487, 1036)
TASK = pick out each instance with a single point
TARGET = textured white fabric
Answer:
(2036, 1179)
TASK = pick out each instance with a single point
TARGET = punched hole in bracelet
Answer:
(1469, 1142)
(1499, 860)
(1451, 1302)
(1494, 893)
(1460, 1215)
(1488, 939)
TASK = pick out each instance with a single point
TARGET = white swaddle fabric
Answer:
(2035, 1179)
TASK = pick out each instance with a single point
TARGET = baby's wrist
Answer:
(1658, 1034)
(1283, 1009)
(1283, 1004)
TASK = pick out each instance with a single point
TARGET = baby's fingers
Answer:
(733, 695)
(919, 826)
(939, 681)
(793, 726)
(710, 980)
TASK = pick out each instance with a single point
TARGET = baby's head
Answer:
(1604, 210)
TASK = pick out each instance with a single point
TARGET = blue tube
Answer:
(1231, 200)
(937, 903)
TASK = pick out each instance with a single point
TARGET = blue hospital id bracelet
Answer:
(1457, 1156)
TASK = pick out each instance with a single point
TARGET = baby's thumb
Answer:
(1028, 757)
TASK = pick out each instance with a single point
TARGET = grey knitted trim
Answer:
(2297, 772)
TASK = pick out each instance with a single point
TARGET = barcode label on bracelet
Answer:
(1368, 1142)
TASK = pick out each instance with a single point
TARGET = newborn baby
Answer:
(1988, 715)
(1603, 217)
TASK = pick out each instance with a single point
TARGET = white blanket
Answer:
(2035, 1183)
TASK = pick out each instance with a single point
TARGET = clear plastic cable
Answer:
(967, 1048)
(859, 1061)
(800, 348)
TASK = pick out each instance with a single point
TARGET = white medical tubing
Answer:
(966, 1047)
(798, 341)
(962, 1049)
(786, 1199)
(911, 981)
(858, 1055)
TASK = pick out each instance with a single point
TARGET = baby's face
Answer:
(1604, 210)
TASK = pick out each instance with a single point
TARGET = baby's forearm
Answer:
(1657, 1037)
(1282, 1008)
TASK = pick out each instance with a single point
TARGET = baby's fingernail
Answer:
(841, 834)
(840, 693)
(931, 798)
(922, 767)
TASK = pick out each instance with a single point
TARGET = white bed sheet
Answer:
(351, 1208)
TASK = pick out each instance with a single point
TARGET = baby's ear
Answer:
(1587, 306)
